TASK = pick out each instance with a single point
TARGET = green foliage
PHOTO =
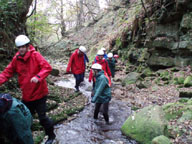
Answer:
(39, 28)
(118, 42)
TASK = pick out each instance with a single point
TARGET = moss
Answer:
(39, 138)
(145, 125)
(175, 110)
(161, 140)
(188, 81)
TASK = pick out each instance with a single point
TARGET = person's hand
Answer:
(67, 72)
(34, 80)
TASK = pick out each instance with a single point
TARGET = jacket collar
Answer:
(27, 55)
(76, 53)
(100, 73)
(100, 61)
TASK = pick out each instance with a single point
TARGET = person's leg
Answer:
(44, 120)
(30, 106)
(77, 81)
(82, 77)
(97, 108)
(105, 112)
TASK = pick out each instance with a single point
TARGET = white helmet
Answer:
(21, 40)
(82, 49)
(96, 66)
(103, 49)
(100, 52)
(109, 55)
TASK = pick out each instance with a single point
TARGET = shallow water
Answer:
(84, 130)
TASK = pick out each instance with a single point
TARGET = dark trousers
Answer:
(78, 78)
(105, 111)
(39, 106)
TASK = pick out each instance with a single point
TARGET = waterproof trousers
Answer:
(39, 106)
(78, 79)
(105, 111)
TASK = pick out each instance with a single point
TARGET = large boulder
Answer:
(156, 60)
(131, 78)
(145, 125)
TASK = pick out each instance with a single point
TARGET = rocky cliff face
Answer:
(159, 36)
(162, 37)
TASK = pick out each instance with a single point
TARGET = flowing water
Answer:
(84, 130)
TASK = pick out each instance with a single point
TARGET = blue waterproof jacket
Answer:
(16, 123)
(102, 91)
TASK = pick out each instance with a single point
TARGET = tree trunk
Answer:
(13, 19)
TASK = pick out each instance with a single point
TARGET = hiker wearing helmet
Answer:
(101, 92)
(100, 60)
(104, 50)
(116, 57)
(32, 69)
(111, 62)
(16, 120)
(77, 65)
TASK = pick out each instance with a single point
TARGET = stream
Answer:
(84, 130)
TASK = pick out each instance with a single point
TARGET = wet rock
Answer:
(161, 140)
(146, 124)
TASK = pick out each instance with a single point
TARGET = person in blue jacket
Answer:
(101, 92)
(15, 120)
(104, 50)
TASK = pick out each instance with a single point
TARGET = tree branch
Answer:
(34, 9)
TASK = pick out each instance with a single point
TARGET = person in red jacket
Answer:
(32, 69)
(100, 60)
(77, 65)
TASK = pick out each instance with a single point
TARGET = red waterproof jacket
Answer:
(76, 63)
(104, 65)
(32, 64)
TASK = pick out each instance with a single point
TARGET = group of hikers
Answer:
(32, 69)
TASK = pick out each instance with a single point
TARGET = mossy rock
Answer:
(175, 110)
(147, 73)
(187, 115)
(161, 140)
(185, 94)
(131, 78)
(145, 125)
(179, 80)
(188, 81)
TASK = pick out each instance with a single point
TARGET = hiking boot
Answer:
(108, 123)
(50, 139)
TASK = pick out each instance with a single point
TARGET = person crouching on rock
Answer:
(101, 92)
(15, 120)
(77, 65)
